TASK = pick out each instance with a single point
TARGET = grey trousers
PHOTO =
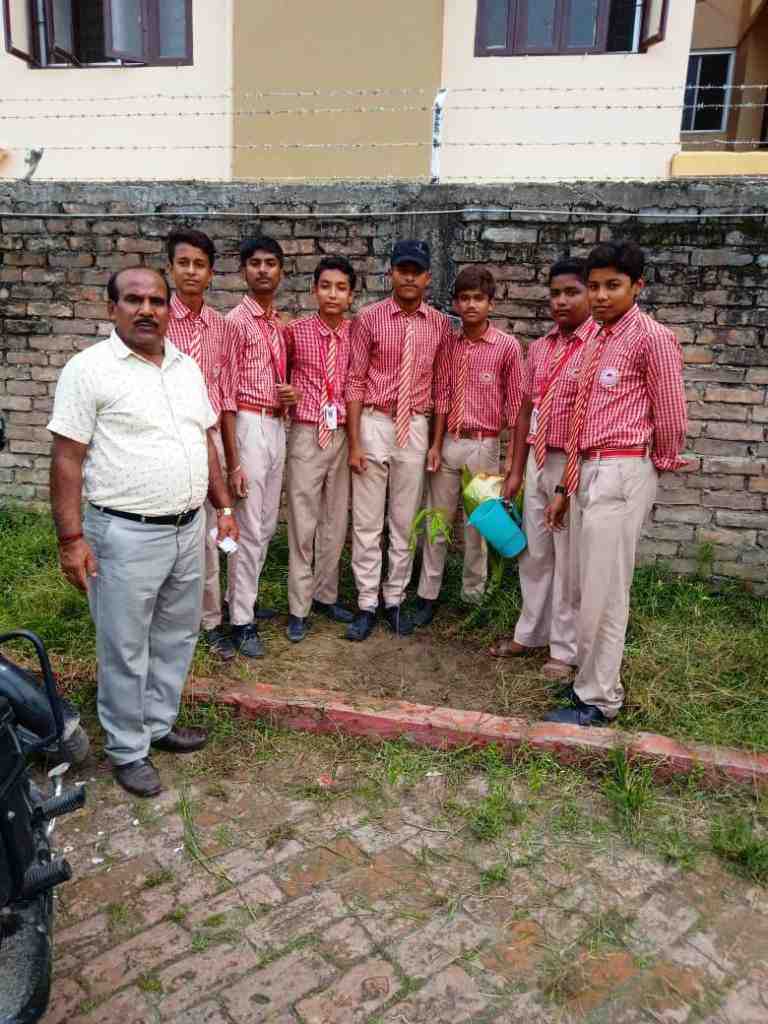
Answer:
(146, 603)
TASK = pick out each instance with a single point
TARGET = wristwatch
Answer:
(559, 489)
(224, 511)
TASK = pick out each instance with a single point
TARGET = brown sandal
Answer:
(508, 647)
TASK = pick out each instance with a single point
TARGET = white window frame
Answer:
(727, 88)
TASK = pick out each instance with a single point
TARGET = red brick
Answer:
(141, 954)
(262, 995)
(353, 998)
(192, 979)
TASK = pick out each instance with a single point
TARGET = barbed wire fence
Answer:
(594, 99)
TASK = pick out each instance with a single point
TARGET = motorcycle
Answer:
(35, 723)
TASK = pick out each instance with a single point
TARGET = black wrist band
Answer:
(559, 489)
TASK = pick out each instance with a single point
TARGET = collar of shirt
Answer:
(394, 309)
(179, 311)
(582, 332)
(620, 327)
(121, 350)
(488, 336)
(341, 331)
(258, 311)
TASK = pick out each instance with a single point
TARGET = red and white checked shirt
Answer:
(212, 343)
(377, 338)
(261, 359)
(538, 365)
(494, 387)
(306, 342)
(637, 395)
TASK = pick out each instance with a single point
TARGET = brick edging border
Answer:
(324, 711)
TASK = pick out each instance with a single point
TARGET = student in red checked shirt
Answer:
(548, 566)
(628, 425)
(318, 461)
(203, 333)
(255, 443)
(478, 391)
(389, 398)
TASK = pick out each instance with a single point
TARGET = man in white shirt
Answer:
(131, 423)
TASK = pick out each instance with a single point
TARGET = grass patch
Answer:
(158, 878)
(120, 916)
(494, 814)
(734, 838)
(630, 789)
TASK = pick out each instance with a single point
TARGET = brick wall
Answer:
(707, 279)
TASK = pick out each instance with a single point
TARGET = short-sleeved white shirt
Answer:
(145, 427)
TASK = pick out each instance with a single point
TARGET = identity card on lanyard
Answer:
(330, 412)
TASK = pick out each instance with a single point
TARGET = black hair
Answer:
(113, 291)
(627, 257)
(188, 236)
(336, 263)
(474, 279)
(261, 243)
(569, 265)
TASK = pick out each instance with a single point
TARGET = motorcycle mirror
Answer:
(58, 771)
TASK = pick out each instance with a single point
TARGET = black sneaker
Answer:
(247, 641)
(583, 714)
(362, 627)
(399, 622)
(424, 613)
(297, 629)
(334, 612)
(219, 644)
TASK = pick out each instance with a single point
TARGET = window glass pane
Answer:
(710, 99)
(621, 25)
(172, 20)
(582, 24)
(539, 24)
(689, 98)
(126, 26)
(496, 24)
(62, 24)
(90, 32)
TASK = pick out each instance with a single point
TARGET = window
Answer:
(707, 91)
(507, 28)
(81, 32)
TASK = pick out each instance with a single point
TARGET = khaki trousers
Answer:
(318, 509)
(403, 470)
(211, 584)
(261, 444)
(444, 489)
(549, 566)
(614, 497)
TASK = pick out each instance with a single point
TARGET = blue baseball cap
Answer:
(410, 250)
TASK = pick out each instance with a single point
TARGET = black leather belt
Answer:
(180, 520)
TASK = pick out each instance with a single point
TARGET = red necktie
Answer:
(456, 416)
(586, 379)
(540, 438)
(323, 431)
(405, 384)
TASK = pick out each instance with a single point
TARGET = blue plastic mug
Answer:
(499, 523)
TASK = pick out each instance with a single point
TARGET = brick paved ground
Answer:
(368, 901)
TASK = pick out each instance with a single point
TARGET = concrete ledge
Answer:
(324, 711)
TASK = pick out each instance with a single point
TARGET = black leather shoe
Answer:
(264, 614)
(584, 714)
(181, 741)
(247, 641)
(399, 622)
(139, 777)
(424, 613)
(297, 629)
(334, 612)
(363, 625)
(219, 644)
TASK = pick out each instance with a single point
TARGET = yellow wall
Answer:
(88, 91)
(335, 45)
